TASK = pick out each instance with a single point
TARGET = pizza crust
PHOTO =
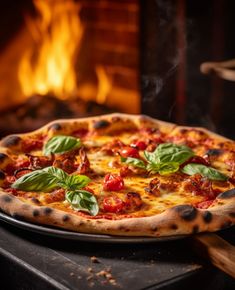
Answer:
(178, 220)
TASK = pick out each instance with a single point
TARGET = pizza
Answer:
(119, 174)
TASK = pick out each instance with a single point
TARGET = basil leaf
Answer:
(151, 157)
(134, 162)
(83, 200)
(169, 152)
(209, 172)
(74, 182)
(168, 168)
(61, 144)
(38, 180)
(49, 178)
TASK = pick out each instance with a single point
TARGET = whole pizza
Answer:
(119, 174)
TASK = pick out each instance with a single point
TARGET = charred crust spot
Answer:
(226, 224)
(55, 127)
(207, 216)
(232, 214)
(195, 229)
(36, 213)
(2, 157)
(173, 227)
(101, 124)
(7, 198)
(17, 216)
(47, 210)
(227, 194)
(2, 174)
(65, 218)
(214, 152)
(127, 230)
(81, 224)
(186, 212)
(11, 141)
(35, 200)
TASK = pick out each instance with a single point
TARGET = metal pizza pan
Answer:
(69, 235)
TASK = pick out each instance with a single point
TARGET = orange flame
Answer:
(48, 65)
(104, 85)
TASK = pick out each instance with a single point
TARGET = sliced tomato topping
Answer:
(113, 204)
(113, 182)
(129, 152)
(141, 145)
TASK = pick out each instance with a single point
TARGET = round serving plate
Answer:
(69, 235)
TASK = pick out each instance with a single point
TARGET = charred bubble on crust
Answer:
(12, 140)
(36, 213)
(47, 210)
(214, 152)
(55, 127)
(207, 216)
(66, 218)
(2, 174)
(7, 198)
(227, 194)
(3, 157)
(101, 124)
(195, 229)
(186, 212)
(173, 227)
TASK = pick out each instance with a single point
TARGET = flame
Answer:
(104, 85)
(48, 65)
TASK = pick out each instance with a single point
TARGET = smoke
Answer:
(153, 85)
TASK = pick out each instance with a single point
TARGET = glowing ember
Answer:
(48, 65)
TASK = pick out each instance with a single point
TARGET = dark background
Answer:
(208, 35)
(175, 38)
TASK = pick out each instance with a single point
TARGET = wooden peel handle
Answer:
(220, 253)
(224, 69)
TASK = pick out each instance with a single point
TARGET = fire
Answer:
(104, 85)
(48, 65)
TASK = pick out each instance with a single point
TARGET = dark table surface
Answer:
(32, 261)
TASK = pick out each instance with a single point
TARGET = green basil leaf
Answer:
(74, 182)
(83, 200)
(168, 168)
(38, 180)
(49, 178)
(134, 162)
(169, 152)
(61, 144)
(209, 172)
(153, 167)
